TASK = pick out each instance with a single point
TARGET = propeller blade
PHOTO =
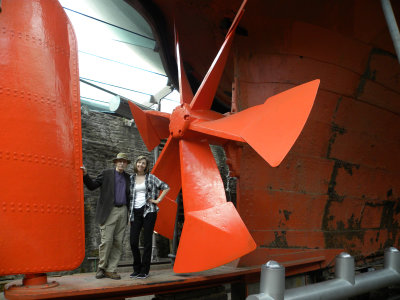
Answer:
(213, 233)
(237, 17)
(270, 129)
(185, 90)
(160, 122)
(167, 168)
(152, 125)
(220, 129)
(206, 92)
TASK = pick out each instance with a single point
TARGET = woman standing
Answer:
(145, 190)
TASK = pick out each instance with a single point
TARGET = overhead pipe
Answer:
(346, 283)
(392, 24)
(119, 105)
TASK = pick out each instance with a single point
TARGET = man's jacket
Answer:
(106, 180)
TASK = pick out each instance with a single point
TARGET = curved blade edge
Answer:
(167, 168)
(280, 121)
(211, 238)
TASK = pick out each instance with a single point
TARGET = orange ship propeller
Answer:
(213, 233)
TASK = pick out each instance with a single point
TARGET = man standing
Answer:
(111, 213)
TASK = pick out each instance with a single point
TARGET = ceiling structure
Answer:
(117, 53)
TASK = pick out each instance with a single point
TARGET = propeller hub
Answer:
(180, 120)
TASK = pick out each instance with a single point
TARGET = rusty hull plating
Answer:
(338, 188)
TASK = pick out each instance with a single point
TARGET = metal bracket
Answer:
(165, 91)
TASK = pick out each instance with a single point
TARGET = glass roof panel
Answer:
(115, 47)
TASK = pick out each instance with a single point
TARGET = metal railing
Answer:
(346, 283)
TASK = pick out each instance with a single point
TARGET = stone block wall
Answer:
(103, 136)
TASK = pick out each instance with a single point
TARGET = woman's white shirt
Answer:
(140, 198)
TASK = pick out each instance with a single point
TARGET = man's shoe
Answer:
(100, 274)
(134, 275)
(112, 275)
(142, 276)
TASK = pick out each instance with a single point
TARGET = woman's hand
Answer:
(162, 195)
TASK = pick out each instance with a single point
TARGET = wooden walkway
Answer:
(86, 286)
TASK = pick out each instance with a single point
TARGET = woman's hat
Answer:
(122, 156)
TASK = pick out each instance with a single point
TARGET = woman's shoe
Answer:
(134, 275)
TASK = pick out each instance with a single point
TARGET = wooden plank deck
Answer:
(164, 280)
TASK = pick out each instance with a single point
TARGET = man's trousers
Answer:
(112, 234)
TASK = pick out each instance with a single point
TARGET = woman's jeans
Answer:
(142, 264)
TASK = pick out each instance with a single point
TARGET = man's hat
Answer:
(122, 156)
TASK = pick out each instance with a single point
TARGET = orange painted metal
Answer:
(31, 285)
(203, 210)
(153, 125)
(41, 204)
(168, 169)
(160, 122)
(271, 129)
(35, 279)
(213, 233)
(185, 91)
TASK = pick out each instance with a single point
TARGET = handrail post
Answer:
(392, 259)
(272, 282)
(344, 267)
(346, 283)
